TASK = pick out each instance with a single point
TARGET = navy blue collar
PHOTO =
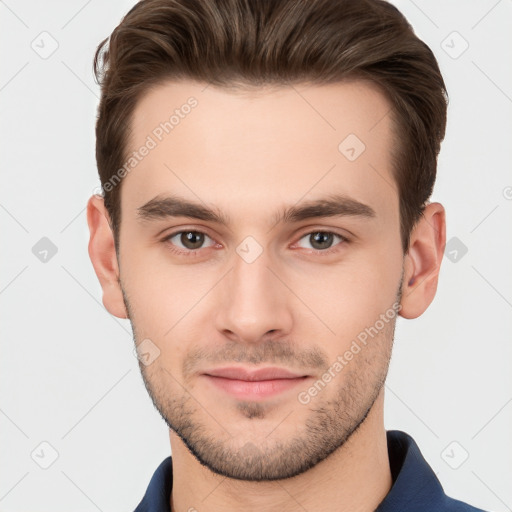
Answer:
(415, 488)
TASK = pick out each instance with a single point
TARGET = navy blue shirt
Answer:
(415, 488)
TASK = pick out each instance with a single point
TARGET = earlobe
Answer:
(103, 256)
(423, 261)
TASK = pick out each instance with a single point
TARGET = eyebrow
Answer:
(334, 205)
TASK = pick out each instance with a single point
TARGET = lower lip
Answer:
(254, 389)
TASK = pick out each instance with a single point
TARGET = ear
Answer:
(103, 256)
(423, 261)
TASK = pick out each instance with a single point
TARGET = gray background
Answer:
(68, 374)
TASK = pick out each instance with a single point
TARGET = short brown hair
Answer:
(248, 43)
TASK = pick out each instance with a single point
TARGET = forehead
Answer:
(232, 147)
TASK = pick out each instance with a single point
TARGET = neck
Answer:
(354, 478)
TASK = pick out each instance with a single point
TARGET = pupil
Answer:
(192, 239)
(321, 238)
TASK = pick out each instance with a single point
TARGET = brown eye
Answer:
(188, 240)
(322, 241)
(192, 239)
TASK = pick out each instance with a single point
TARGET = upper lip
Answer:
(239, 373)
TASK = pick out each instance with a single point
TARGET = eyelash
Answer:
(194, 252)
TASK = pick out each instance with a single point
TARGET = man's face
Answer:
(262, 290)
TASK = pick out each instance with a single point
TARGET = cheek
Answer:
(352, 296)
(163, 296)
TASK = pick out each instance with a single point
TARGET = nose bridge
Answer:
(253, 301)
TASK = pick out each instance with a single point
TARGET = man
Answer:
(266, 170)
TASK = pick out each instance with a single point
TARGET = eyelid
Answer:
(318, 229)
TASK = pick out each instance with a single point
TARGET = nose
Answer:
(253, 302)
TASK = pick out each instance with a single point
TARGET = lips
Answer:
(255, 385)
(271, 373)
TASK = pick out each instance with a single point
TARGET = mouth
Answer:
(253, 384)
